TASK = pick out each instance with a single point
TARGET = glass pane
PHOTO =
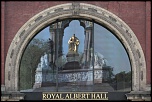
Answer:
(35, 70)
(111, 55)
(75, 56)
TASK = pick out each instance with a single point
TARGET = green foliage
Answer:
(29, 62)
(111, 75)
(122, 80)
(123, 77)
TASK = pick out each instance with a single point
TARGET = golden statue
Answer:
(73, 44)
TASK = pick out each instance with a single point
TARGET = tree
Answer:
(29, 62)
(122, 80)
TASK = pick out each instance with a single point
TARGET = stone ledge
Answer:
(139, 96)
(12, 96)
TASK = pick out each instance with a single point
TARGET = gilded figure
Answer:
(73, 44)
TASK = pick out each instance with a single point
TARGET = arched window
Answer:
(75, 55)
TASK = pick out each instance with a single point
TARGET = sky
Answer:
(104, 42)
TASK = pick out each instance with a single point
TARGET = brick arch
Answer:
(75, 10)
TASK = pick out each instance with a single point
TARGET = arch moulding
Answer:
(75, 10)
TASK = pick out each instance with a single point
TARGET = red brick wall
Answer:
(148, 41)
(136, 14)
(2, 42)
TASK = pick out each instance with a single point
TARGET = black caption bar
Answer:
(74, 96)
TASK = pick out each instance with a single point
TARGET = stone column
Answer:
(85, 47)
(60, 40)
(53, 28)
(88, 40)
(57, 37)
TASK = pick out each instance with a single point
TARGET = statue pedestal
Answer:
(73, 61)
(72, 65)
(72, 56)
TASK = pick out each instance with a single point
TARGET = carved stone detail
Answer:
(14, 96)
(75, 8)
(138, 96)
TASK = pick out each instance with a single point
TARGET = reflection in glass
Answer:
(75, 55)
(115, 56)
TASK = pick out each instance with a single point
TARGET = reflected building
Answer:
(86, 69)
